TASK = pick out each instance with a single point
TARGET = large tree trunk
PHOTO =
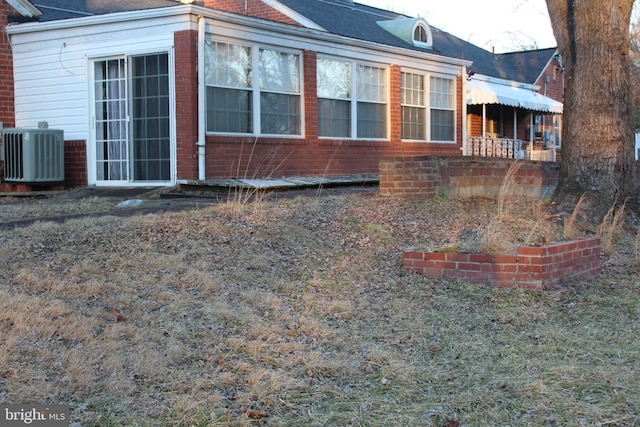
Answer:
(598, 156)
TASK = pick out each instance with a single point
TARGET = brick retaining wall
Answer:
(429, 176)
(538, 268)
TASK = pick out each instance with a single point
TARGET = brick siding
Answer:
(75, 163)
(7, 108)
(186, 51)
(255, 8)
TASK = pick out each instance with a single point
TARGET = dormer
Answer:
(414, 31)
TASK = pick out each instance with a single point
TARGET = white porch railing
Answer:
(493, 147)
(506, 148)
(548, 155)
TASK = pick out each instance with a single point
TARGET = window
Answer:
(372, 107)
(420, 34)
(442, 102)
(414, 110)
(239, 101)
(334, 98)
(279, 93)
(348, 107)
(435, 103)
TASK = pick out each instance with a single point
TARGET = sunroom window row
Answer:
(258, 91)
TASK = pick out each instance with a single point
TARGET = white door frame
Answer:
(92, 172)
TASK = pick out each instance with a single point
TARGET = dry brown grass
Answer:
(507, 190)
(300, 314)
(502, 234)
(637, 247)
(570, 230)
(610, 227)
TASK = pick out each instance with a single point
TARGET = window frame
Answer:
(255, 90)
(424, 27)
(427, 106)
(354, 98)
(452, 109)
(406, 105)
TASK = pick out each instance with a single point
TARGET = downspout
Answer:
(201, 143)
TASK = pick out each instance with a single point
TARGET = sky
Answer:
(506, 25)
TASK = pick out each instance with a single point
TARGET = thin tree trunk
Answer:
(598, 156)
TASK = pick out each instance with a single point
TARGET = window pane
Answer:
(420, 34)
(413, 90)
(372, 120)
(279, 71)
(370, 83)
(227, 64)
(441, 93)
(413, 123)
(334, 118)
(229, 110)
(442, 128)
(333, 79)
(280, 114)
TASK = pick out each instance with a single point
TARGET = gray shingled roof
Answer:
(53, 10)
(361, 22)
(345, 18)
(527, 65)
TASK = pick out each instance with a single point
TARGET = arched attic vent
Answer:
(414, 31)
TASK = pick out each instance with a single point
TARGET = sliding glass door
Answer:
(132, 120)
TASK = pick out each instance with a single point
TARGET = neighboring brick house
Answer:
(533, 122)
(155, 92)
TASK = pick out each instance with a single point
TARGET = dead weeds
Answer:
(299, 313)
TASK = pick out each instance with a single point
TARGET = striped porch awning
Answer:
(483, 92)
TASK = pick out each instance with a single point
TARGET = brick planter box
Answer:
(533, 267)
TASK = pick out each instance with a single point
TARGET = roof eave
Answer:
(506, 82)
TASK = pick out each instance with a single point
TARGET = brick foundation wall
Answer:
(543, 267)
(237, 157)
(75, 163)
(429, 176)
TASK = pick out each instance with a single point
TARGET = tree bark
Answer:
(598, 157)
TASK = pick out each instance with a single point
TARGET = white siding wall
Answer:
(52, 68)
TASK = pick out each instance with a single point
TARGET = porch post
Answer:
(484, 121)
(531, 131)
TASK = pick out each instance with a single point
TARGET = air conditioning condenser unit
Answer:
(33, 156)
